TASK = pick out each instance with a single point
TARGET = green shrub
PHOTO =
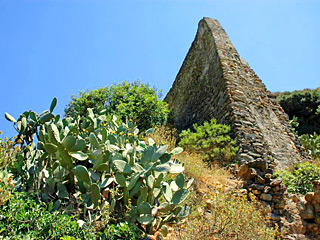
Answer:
(299, 179)
(23, 218)
(123, 231)
(136, 101)
(212, 139)
(99, 168)
(304, 105)
(312, 144)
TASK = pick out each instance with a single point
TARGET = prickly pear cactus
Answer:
(99, 164)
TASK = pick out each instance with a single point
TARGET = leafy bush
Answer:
(23, 218)
(311, 144)
(299, 179)
(212, 139)
(99, 168)
(136, 101)
(304, 105)
(123, 231)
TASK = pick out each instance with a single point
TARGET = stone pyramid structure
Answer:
(215, 82)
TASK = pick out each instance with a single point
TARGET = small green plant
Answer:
(121, 231)
(135, 101)
(22, 218)
(212, 139)
(312, 144)
(299, 179)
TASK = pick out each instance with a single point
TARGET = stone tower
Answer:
(215, 82)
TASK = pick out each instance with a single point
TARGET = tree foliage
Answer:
(137, 101)
(305, 105)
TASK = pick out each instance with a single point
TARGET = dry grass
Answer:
(8, 150)
(211, 176)
(224, 215)
(165, 135)
(218, 210)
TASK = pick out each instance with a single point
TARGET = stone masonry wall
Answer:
(214, 81)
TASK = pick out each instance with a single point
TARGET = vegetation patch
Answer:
(102, 178)
(305, 106)
(98, 169)
(312, 145)
(135, 101)
(211, 139)
(23, 218)
(299, 179)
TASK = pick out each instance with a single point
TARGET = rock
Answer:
(266, 197)
(317, 207)
(259, 163)
(247, 173)
(256, 192)
(309, 197)
(260, 180)
(275, 189)
(256, 186)
(272, 166)
(266, 189)
(246, 157)
(269, 170)
(316, 197)
(276, 182)
(268, 176)
(283, 188)
(243, 191)
(278, 211)
(313, 227)
(255, 155)
(280, 205)
(277, 195)
(317, 219)
(316, 185)
(308, 212)
(292, 222)
(209, 204)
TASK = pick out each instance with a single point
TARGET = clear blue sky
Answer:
(56, 48)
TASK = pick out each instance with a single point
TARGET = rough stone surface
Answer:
(309, 196)
(308, 212)
(276, 182)
(266, 197)
(214, 81)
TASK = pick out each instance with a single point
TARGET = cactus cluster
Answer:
(102, 163)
